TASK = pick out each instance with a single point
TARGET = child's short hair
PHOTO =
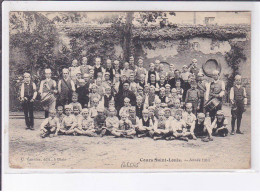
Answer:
(112, 109)
(158, 100)
(126, 99)
(167, 109)
(178, 81)
(188, 105)
(68, 107)
(52, 111)
(201, 115)
(84, 110)
(177, 100)
(74, 94)
(173, 90)
(75, 108)
(238, 77)
(132, 109)
(60, 107)
(220, 112)
(178, 112)
(139, 98)
(161, 112)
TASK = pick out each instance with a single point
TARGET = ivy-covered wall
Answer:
(56, 49)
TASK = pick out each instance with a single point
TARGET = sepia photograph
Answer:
(129, 90)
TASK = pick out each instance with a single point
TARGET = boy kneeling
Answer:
(50, 126)
(125, 127)
(86, 125)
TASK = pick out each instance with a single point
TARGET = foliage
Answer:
(185, 32)
(37, 43)
(233, 59)
(92, 43)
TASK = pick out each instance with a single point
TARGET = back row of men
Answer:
(95, 86)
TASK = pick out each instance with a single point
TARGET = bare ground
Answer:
(28, 150)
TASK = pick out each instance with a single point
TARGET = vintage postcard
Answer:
(129, 90)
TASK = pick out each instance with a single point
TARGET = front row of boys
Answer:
(183, 126)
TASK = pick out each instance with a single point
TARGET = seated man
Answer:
(69, 122)
(202, 128)
(86, 125)
(51, 125)
(219, 125)
(125, 127)
(145, 124)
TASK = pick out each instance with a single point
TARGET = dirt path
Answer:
(28, 150)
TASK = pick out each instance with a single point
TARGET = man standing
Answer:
(215, 89)
(132, 63)
(98, 67)
(125, 93)
(65, 88)
(176, 77)
(84, 68)
(48, 88)
(151, 71)
(28, 95)
(110, 70)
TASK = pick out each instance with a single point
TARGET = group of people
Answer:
(128, 100)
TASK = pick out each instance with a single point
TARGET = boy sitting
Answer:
(100, 122)
(77, 115)
(145, 125)
(51, 125)
(219, 125)
(93, 109)
(190, 119)
(112, 121)
(202, 128)
(125, 127)
(60, 114)
(132, 117)
(157, 107)
(179, 128)
(69, 122)
(75, 102)
(161, 130)
(86, 125)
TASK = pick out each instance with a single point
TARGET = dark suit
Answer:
(121, 95)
